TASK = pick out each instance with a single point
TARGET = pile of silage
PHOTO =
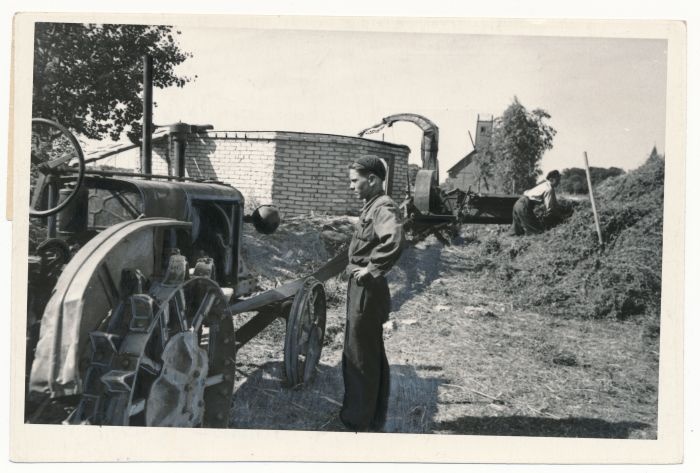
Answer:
(565, 272)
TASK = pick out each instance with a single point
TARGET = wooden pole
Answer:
(590, 193)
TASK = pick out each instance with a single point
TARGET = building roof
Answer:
(462, 163)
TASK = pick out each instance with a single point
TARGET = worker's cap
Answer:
(371, 164)
(553, 175)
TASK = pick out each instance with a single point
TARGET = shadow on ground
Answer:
(262, 402)
(415, 271)
(539, 427)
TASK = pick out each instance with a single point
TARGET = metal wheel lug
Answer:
(141, 370)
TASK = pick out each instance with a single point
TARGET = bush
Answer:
(573, 180)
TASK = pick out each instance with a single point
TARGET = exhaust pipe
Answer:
(146, 157)
(178, 134)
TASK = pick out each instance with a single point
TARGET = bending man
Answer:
(375, 246)
(524, 219)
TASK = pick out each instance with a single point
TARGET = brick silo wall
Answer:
(311, 171)
(298, 172)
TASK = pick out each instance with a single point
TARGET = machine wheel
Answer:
(425, 191)
(306, 326)
(164, 358)
(53, 149)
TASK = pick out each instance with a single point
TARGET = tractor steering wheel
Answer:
(53, 148)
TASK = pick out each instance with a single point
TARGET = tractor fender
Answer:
(86, 291)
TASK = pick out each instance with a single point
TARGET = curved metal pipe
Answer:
(429, 143)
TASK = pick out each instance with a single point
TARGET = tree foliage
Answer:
(573, 180)
(519, 139)
(88, 77)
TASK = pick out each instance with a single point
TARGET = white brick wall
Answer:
(297, 172)
(311, 171)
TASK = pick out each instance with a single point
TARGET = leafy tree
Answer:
(519, 139)
(484, 166)
(88, 77)
(573, 180)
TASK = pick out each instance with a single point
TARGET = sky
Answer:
(606, 96)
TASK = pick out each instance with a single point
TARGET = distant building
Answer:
(464, 174)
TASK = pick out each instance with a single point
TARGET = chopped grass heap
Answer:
(565, 272)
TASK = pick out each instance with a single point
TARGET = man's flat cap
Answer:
(371, 164)
(553, 175)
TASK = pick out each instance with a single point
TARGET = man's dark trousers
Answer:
(365, 366)
(524, 220)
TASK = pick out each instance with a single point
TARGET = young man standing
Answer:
(375, 246)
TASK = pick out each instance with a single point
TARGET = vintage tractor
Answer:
(132, 297)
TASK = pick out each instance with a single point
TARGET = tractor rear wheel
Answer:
(165, 357)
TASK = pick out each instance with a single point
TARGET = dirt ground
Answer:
(463, 359)
(466, 357)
